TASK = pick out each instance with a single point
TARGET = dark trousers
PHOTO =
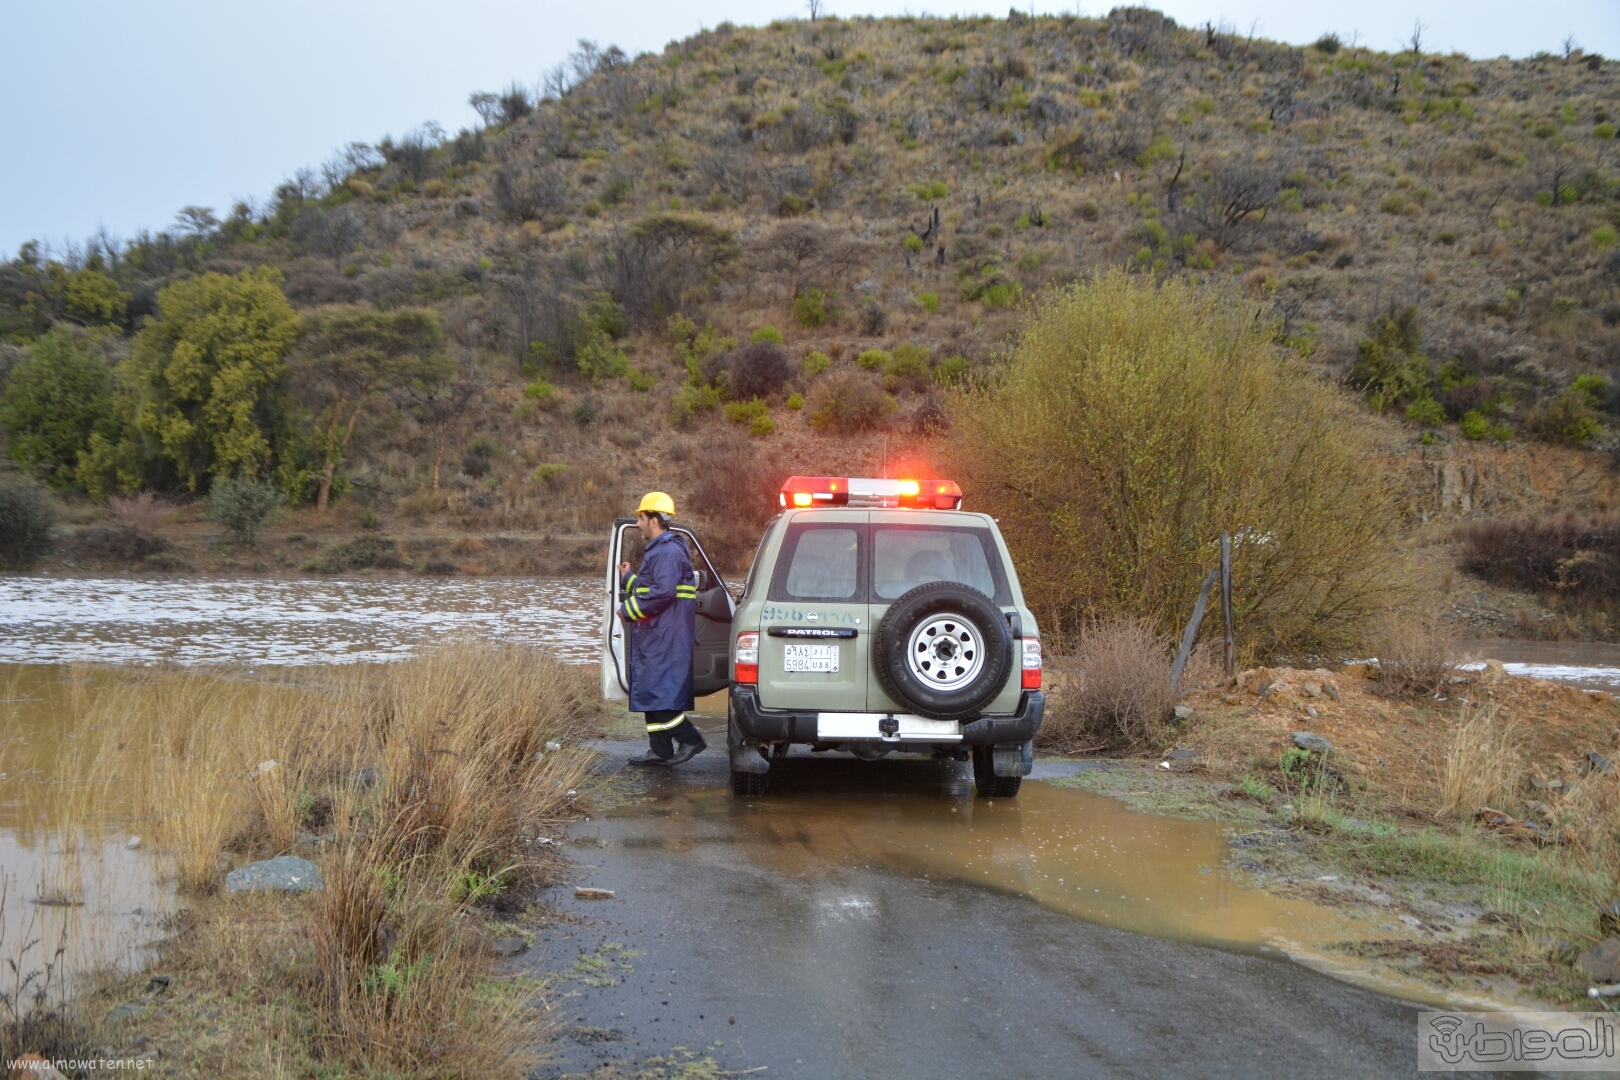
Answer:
(663, 742)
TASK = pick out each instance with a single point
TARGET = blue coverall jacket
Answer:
(660, 613)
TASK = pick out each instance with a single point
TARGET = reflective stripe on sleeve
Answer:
(675, 722)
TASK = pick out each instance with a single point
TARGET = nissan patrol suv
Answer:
(878, 617)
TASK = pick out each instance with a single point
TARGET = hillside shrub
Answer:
(929, 302)
(848, 402)
(815, 363)
(53, 401)
(733, 496)
(760, 369)
(909, 369)
(874, 360)
(27, 516)
(768, 334)
(1112, 691)
(243, 506)
(1567, 555)
(952, 370)
(756, 414)
(810, 309)
(1391, 365)
(1568, 418)
(1132, 424)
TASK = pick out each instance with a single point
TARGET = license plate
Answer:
(810, 658)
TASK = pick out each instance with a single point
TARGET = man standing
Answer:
(660, 613)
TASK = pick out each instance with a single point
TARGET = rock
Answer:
(1183, 712)
(265, 768)
(124, 1011)
(1309, 740)
(552, 746)
(34, 1067)
(1602, 961)
(508, 946)
(1182, 755)
(1597, 761)
(1313, 713)
(132, 843)
(1410, 920)
(1311, 689)
(1330, 691)
(1280, 686)
(365, 777)
(1494, 672)
(1368, 670)
(583, 893)
(1609, 918)
(284, 873)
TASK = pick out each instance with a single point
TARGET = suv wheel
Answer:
(943, 650)
(985, 780)
(744, 785)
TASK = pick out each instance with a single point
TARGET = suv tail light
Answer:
(746, 667)
(1032, 664)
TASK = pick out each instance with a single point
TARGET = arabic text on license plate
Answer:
(810, 658)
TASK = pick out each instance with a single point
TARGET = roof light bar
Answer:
(806, 491)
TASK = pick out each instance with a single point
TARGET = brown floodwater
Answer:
(75, 875)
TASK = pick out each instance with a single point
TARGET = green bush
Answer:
(539, 390)
(366, 553)
(642, 380)
(874, 360)
(815, 363)
(768, 333)
(809, 309)
(27, 516)
(795, 401)
(691, 400)
(929, 302)
(1604, 237)
(243, 506)
(756, 414)
(935, 190)
(952, 370)
(55, 399)
(549, 472)
(1132, 423)
(909, 369)
(848, 402)
(1473, 425)
(599, 358)
(1392, 366)
(1604, 131)
(1426, 411)
(1568, 418)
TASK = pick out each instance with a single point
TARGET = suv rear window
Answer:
(822, 564)
(906, 556)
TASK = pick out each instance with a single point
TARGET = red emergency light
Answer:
(807, 491)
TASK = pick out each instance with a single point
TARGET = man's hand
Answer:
(624, 568)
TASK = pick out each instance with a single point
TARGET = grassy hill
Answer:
(775, 249)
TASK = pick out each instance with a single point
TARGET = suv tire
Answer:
(946, 631)
(744, 785)
(985, 780)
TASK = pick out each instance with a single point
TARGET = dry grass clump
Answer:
(419, 789)
(1484, 764)
(1417, 654)
(1113, 690)
(1136, 422)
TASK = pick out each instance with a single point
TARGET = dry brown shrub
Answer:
(1113, 690)
(1417, 654)
(1483, 764)
(144, 511)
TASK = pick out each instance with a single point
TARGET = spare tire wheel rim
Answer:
(945, 652)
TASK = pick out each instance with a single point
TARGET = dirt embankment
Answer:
(1351, 798)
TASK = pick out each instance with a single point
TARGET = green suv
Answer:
(877, 618)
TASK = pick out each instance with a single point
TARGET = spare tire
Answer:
(943, 651)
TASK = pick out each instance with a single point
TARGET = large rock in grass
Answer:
(284, 873)
(1602, 961)
(1309, 740)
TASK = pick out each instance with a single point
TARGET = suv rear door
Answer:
(814, 647)
(908, 548)
(711, 650)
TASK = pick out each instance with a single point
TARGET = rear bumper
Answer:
(759, 725)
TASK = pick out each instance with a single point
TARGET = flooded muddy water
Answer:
(74, 871)
(52, 620)
(1592, 665)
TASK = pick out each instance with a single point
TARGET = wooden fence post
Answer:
(1226, 604)
(1191, 635)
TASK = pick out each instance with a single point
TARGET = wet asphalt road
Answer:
(737, 953)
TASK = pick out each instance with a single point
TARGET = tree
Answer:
(243, 506)
(664, 263)
(54, 401)
(1133, 424)
(354, 356)
(439, 411)
(207, 373)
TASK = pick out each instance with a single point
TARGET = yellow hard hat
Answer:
(656, 502)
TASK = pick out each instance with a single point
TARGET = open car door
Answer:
(711, 649)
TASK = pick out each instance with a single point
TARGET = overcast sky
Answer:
(118, 114)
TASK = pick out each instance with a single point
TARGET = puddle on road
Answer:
(1069, 851)
(84, 889)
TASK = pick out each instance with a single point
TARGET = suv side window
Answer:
(819, 562)
(905, 556)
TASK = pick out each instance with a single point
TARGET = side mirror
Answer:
(702, 580)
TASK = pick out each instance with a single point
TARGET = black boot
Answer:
(686, 751)
(647, 757)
